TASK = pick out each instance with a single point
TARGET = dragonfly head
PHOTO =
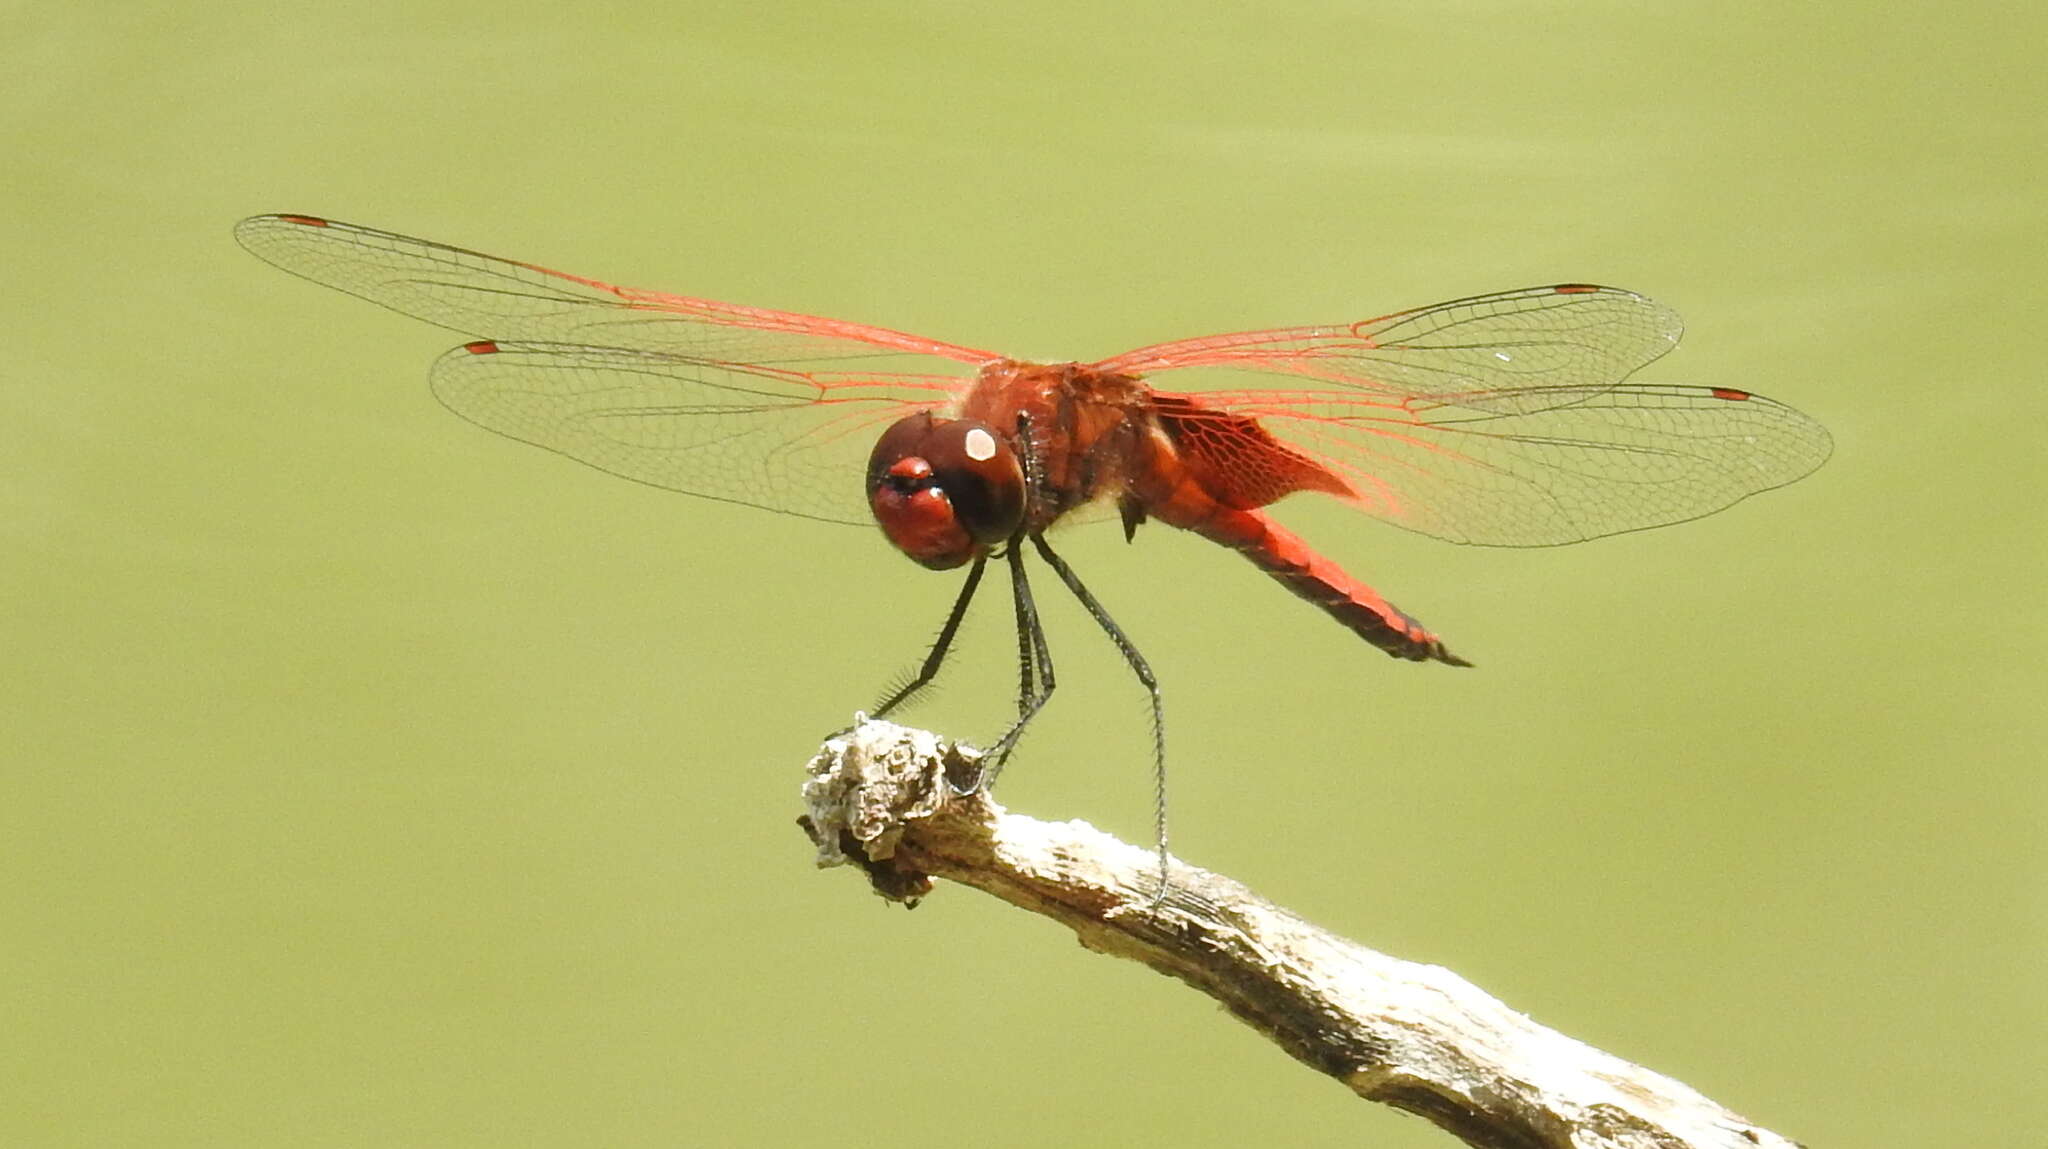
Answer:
(944, 490)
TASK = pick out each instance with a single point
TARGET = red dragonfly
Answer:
(1502, 419)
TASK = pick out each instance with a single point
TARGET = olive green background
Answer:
(366, 779)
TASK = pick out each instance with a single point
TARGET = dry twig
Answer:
(1413, 1036)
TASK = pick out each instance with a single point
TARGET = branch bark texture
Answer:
(1414, 1036)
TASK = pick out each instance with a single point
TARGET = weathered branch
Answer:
(1416, 1037)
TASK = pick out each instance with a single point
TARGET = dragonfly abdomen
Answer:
(1293, 564)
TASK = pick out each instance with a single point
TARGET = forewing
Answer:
(1501, 420)
(495, 298)
(745, 433)
(766, 408)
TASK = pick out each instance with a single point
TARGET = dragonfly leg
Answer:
(1034, 657)
(940, 645)
(1034, 661)
(1144, 672)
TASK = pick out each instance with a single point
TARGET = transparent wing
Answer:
(788, 441)
(1503, 419)
(766, 408)
(494, 298)
(1496, 350)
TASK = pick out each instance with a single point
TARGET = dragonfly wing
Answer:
(1502, 420)
(495, 298)
(767, 408)
(762, 436)
(1498, 352)
(1577, 464)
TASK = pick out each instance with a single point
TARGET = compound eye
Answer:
(944, 491)
(981, 475)
(905, 439)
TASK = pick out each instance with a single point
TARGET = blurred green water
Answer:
(370, 780)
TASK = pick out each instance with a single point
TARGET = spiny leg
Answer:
(1041, 651)
(940, 645)
(1027, 651)
(1034, 656)
(1034, 660)
(1032, 651)
(1144, 673)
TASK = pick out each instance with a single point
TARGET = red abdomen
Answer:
(1281, 553)
(1209, 471)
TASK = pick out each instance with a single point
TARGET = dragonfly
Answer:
(1509, 419)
